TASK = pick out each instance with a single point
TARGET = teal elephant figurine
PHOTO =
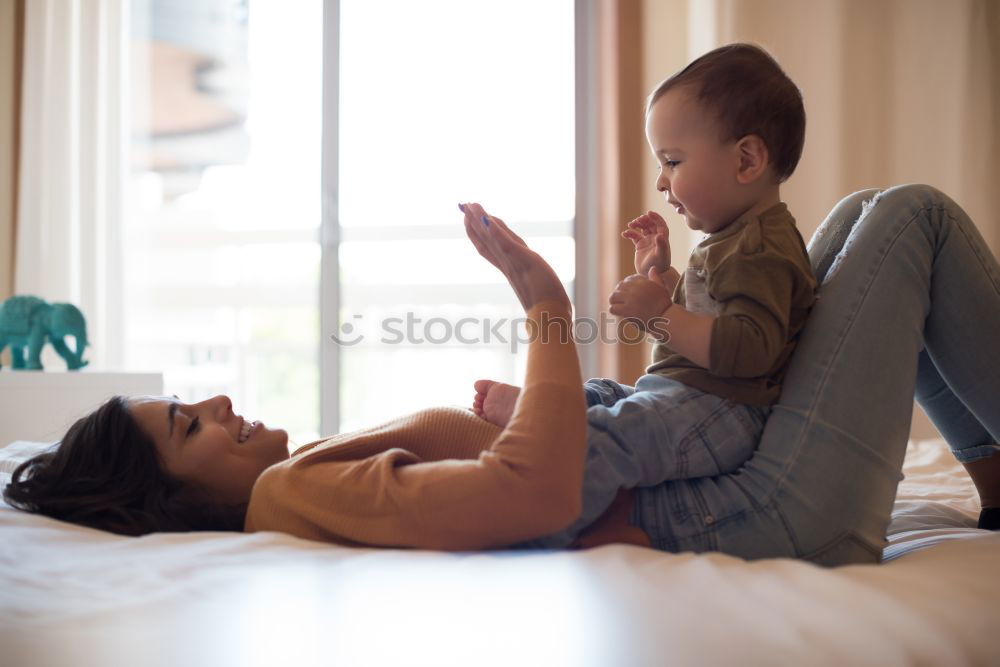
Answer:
(27, 321)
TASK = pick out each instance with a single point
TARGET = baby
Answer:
(726, 131)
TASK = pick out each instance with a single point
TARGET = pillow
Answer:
(13, 455)
(19, 451)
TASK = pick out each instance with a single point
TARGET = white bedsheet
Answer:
(78, 597)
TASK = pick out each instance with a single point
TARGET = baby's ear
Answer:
(754, 158)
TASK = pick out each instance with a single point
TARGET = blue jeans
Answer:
(909, 305)
(658, 430)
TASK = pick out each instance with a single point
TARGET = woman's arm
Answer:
(530, 276)
(527, 482)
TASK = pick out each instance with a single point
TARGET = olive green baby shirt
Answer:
(755, 278)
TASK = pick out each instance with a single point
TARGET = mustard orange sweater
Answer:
(444, 478)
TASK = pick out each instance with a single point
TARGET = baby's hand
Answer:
(640, 299)
(651, 237)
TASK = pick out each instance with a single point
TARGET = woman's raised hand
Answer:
(531, 277)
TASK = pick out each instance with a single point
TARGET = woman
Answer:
(819, 487)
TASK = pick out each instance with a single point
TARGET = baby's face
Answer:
(697, 172)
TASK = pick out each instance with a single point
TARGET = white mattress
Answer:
(75, 596)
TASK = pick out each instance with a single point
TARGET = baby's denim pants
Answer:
(659, 430)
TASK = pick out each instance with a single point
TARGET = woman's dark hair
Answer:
(748, 93)
(106, 474)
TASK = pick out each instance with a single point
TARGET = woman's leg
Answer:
(961, 332)
(968, 438)
(913, 279)
(900, 270)
(970, 442)
(922, 256)
(952, 386)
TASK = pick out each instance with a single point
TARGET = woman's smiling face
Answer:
(201, 443)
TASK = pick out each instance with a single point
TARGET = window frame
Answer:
(584, 224)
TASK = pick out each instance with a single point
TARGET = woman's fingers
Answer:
(501, 225)
(471, 229)
(491, 237)
(531, 277)
(496, 242)
(480, 246)
(474, 230)
(497, 228)
(475, 219)
(499, 237)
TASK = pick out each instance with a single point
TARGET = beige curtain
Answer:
(11, 39)
(618, 87)
(11, 34)
(896, 91)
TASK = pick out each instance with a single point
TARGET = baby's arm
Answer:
(647, 302)
(640, 298)
(756, 294)
(688, 334)
(670, 278)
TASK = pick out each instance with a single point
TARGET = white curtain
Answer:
(72, 164)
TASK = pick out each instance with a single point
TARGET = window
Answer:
(222, 253)
(232, 260)
(441, 102)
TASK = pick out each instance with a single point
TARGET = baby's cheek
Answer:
(694, 192)
(693, 201)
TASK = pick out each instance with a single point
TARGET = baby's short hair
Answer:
(749, 93)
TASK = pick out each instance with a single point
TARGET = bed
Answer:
(75, 596)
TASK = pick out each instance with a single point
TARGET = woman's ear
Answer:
(753, 159)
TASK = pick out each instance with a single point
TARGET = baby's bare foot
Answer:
(495, 401)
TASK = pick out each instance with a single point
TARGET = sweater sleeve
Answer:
(524, 484)
(752, 329)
